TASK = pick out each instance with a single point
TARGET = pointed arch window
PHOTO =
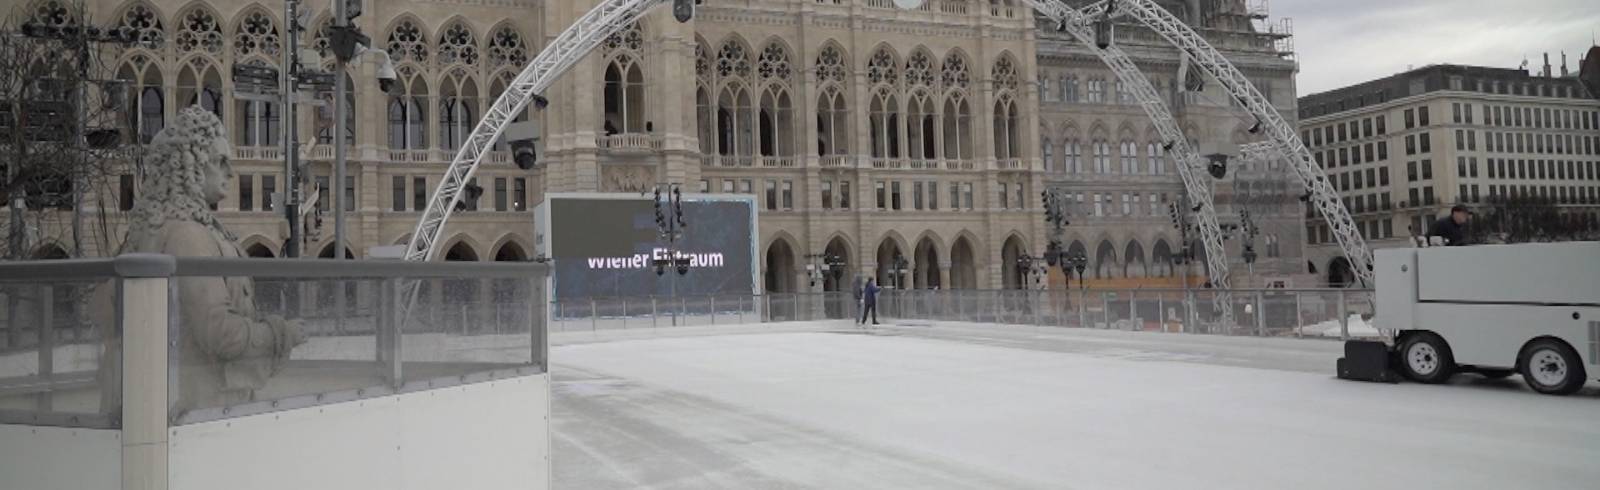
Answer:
(777, 122)
(1005, 129)
(1072, 153)
(957, 127)
(833, 122)
(146, 107)
(407, 111)
(921, 127)
(1130, 157)
(1157, 159)
(735, 129)
(624, 96)
(458, 109)
(884, 122)
(325, 124)
(200, 84)
(1102, 156)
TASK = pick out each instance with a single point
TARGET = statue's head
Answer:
(191, 155)
(186, 171)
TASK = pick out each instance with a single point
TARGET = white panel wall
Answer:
(52, 458)
(483, 435)
(1531, 273)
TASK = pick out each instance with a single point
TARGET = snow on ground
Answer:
(966, 406)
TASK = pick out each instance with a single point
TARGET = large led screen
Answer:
(603, 247)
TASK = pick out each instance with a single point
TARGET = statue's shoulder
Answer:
(184, 238)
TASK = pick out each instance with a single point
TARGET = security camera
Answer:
(387, 77)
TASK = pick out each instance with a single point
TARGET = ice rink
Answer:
(983, 406)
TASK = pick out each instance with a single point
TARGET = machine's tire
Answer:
(1425, 358)
(1496, 373)
(1551, 367)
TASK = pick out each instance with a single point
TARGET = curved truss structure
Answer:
(1205, 57)
(610, 16)
(1188, 159)
(605, 19)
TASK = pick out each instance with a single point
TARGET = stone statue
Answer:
(228, 350)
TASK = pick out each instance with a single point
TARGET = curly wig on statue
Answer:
(174, 176)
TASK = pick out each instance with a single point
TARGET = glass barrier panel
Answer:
(316, 341)
(59, 358)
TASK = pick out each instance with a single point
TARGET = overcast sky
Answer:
(1345, 42)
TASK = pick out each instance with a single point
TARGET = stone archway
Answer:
(510, 252)
(327, 253)
(1161, 259)
(780, 270)
(963, 266)
(840, 280)
(925, 275)
(260, 251)
(1010, 271)
(1105, 261)
(888, 253)
(1340, 275)
(1133, 261)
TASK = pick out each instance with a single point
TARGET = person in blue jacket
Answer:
(869, 298)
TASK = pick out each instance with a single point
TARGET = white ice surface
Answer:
(799, 410)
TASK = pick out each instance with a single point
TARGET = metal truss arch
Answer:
(599, 23)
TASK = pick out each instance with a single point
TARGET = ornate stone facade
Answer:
(866, 132)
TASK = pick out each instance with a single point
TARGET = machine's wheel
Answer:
(1425, 358)
(1496, 373)
(1551, 367)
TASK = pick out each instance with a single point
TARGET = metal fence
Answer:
(1331, 313)
(617, 313)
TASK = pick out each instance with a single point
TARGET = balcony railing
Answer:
(257, 153)
(775, 161)
(1009, 164)
(887, 163)
(837, 161)
(959, 165)
(629, 141)
(409, 156)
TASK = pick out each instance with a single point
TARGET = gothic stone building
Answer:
(865, 132)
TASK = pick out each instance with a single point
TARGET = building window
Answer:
(933, 196)
(397, 195)
(827, 194)
(259, 123)
(1455, 113)
(1422, 116)
(1411, 118)
(1157, 159)
(246, 192)
(269, 186)
(1426, 145)
(1382, 130)
(419, 193)
(1005, 197)
(1130, 157)
(1427, 195)
(125, 193)
(1411, 171)
(955, 196)
(1073, 152)
(1097, 90)
(348, 199)
(916, 195)
(1366, 128)
(844, 194)
(519, 194)
(1021, 196)
(1411, 145)
(1102, 157)
(747, 186)
(966, 196)
(501, 196)
(894, 196)
(1427, 170)
(772, 195)
(1127, 205)
(882, 192)
(1383, 150)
